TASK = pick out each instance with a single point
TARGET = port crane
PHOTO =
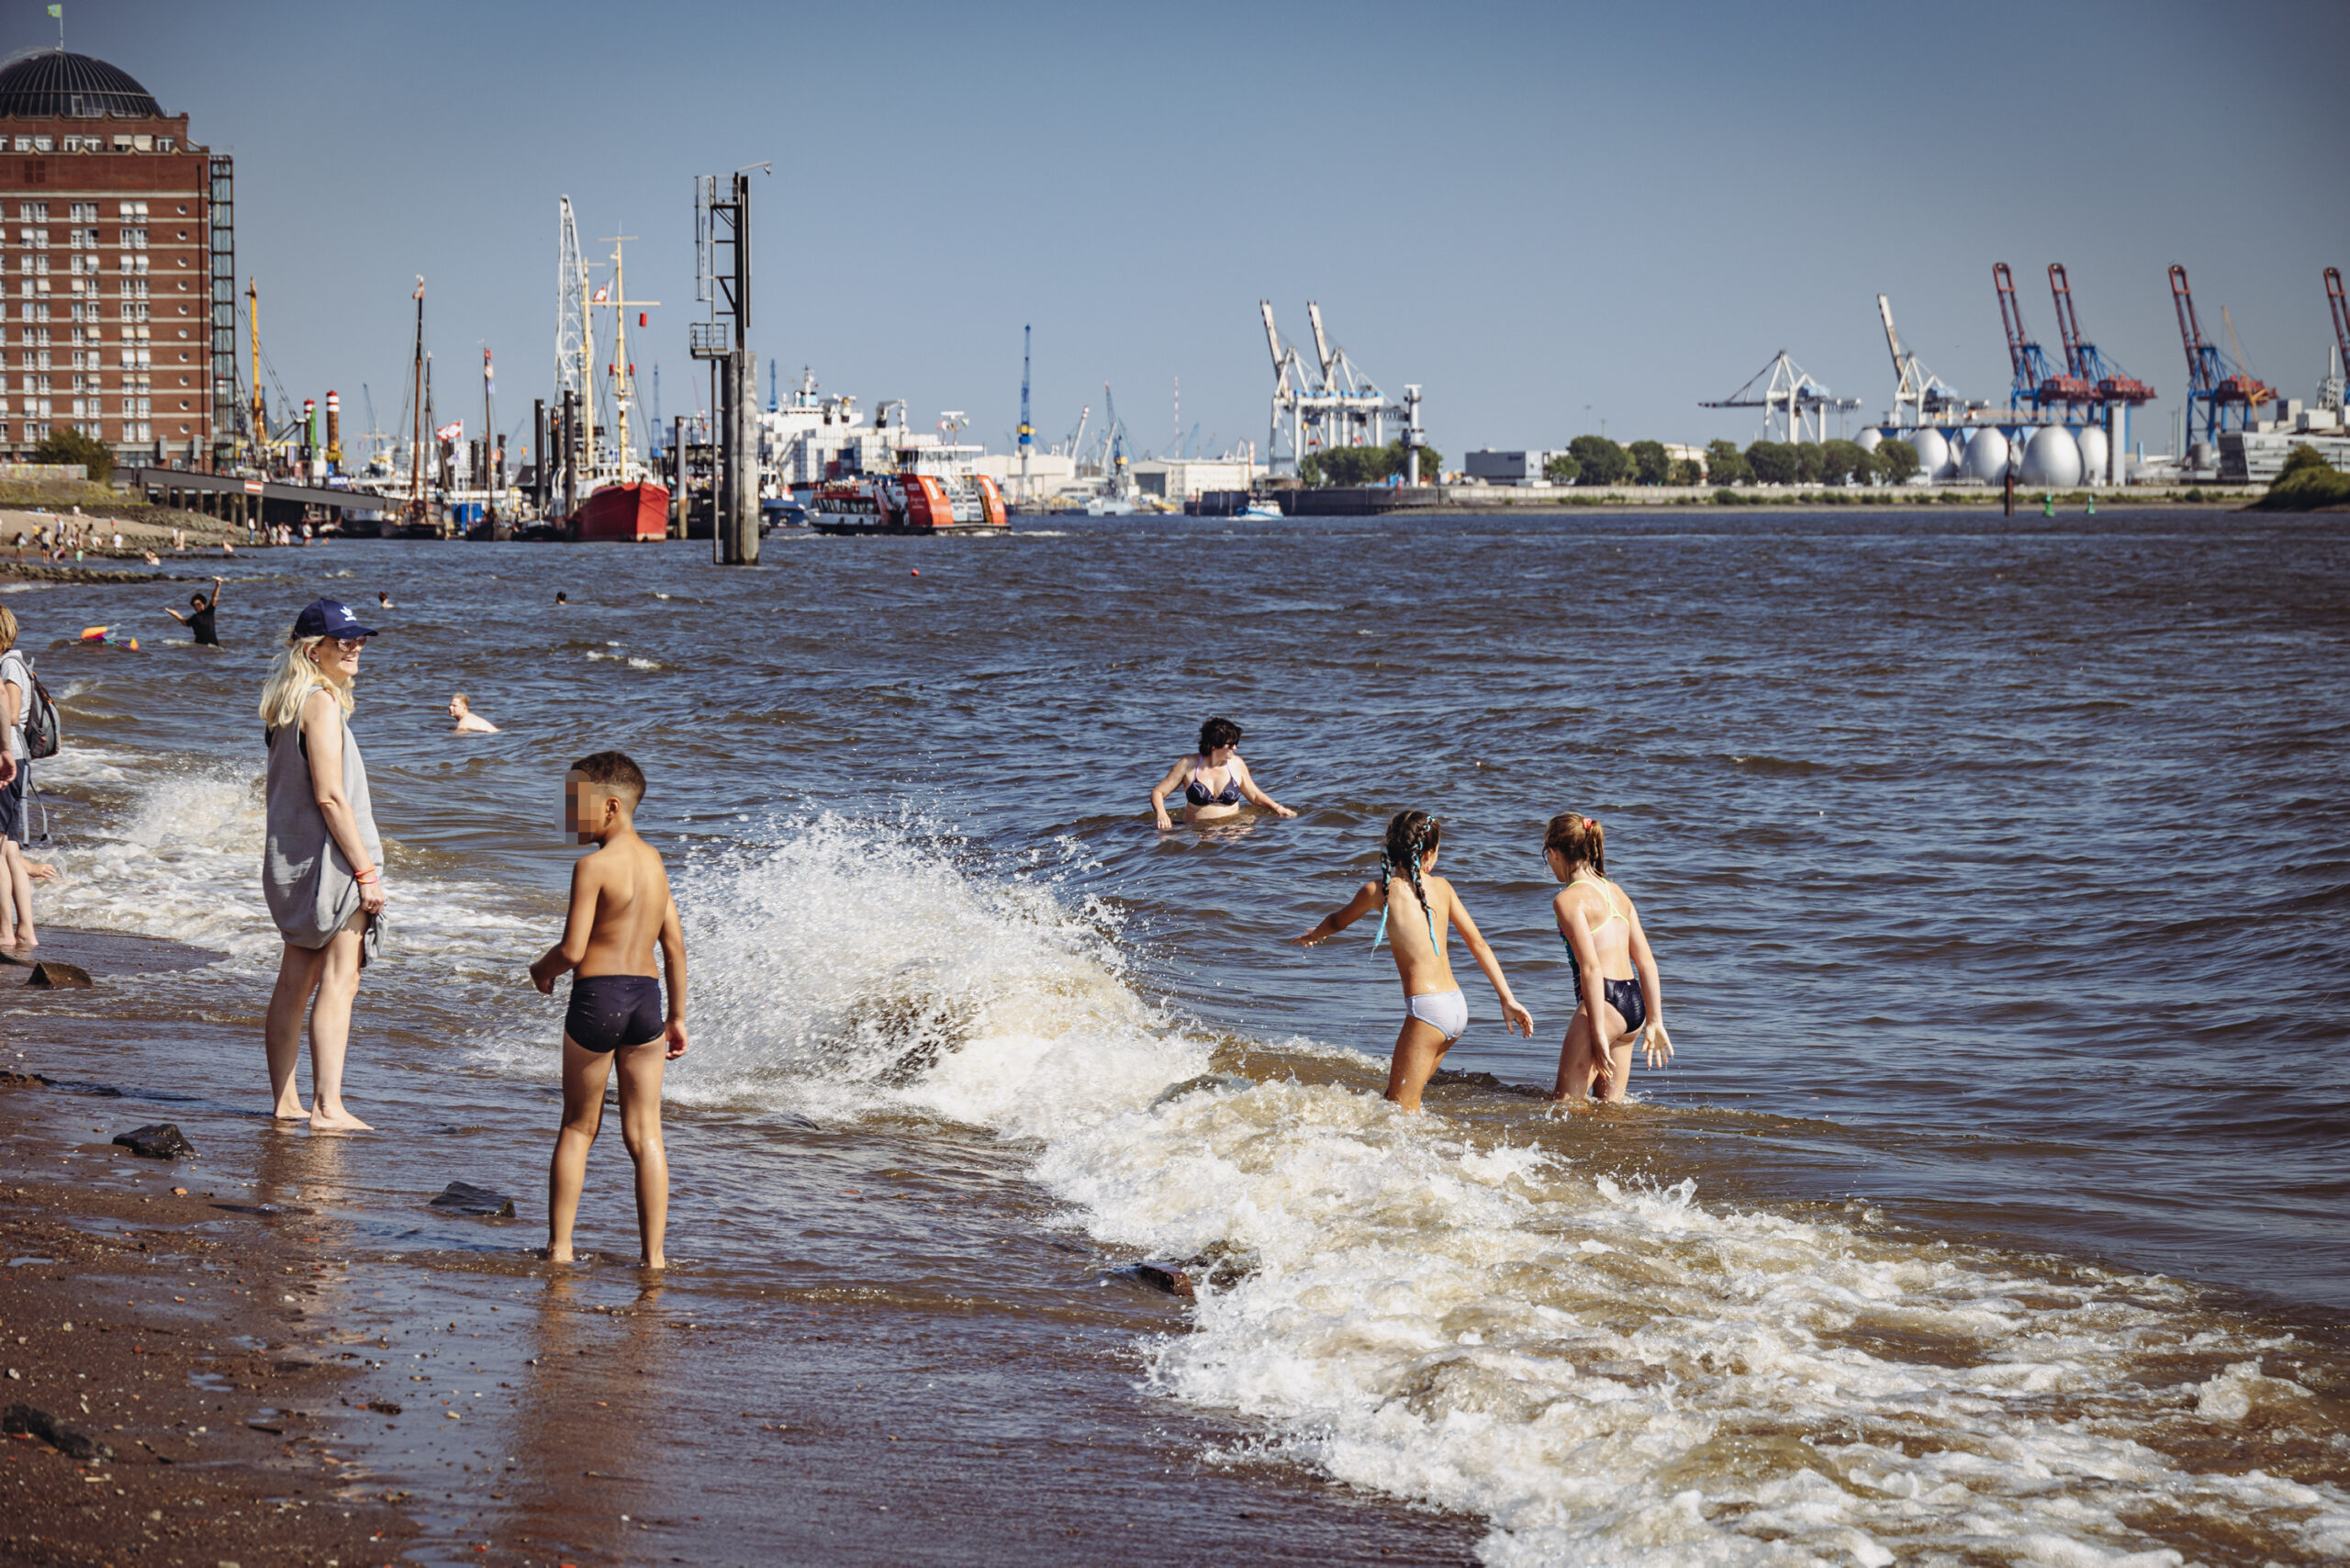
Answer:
(1795, 407)
(2109, 380)
(1920, 397)
(1027, 430)
(2332, 395)
(2213, 380)
(2036, 381)
(1339, 406)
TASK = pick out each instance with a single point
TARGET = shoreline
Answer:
(352, 1351)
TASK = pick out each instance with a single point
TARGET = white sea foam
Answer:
(1607, 1374)
(172, 849)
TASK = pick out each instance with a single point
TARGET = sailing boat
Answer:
(623, 502)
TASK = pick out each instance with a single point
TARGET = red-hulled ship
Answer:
(625, 513)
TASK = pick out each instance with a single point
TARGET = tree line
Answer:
(1596, 460)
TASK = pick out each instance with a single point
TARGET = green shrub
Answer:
(64, 444)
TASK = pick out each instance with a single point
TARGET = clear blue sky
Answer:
(1533, 211)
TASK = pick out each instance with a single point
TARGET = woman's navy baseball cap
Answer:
(329, 617)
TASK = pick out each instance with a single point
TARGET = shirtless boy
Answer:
(1423, 906)
(619, 907)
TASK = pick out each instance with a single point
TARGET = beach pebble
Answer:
(158, 1140)
(51, 974)
(1168, 1277)
(466, 1198)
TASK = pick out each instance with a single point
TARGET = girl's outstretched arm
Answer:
(1367, 898)
(1518, 1017)
(1658, 1044)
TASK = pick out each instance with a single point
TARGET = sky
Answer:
(1554, 218)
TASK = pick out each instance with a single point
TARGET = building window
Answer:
(122, 144)
(131, 209)
(165, 144)
(84, 212)
(144, 144)
(32, 211)
(134, 312)
(135, 238)
(40, 144)
(24, 144)
(35, 239)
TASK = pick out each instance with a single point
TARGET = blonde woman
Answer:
(322, 862)
(15, 777)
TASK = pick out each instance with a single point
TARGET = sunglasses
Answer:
(350, 644)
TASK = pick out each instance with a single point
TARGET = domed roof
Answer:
(54, 83)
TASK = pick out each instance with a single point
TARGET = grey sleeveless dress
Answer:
(311, 892)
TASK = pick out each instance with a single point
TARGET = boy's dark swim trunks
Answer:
(612, 1010)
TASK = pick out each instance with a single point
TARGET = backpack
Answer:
(40, 717)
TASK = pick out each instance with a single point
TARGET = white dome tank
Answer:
(2094, 453)
(1987, 457)
(1870, 439)
(2051, 459)
(1933, 454)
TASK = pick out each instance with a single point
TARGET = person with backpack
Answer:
(30, 720)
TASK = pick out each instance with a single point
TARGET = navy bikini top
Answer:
(1197, 792)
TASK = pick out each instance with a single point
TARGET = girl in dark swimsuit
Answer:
(1215, 781)
(1602, 932)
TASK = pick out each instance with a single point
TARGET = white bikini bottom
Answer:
(1447, 1011)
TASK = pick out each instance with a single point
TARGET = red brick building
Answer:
(118, 237)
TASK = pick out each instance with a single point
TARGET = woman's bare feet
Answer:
(291, 1112)
(337, 1121)
(557, 1254)
(656, 1262)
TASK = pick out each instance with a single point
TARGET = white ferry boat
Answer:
(934, 492)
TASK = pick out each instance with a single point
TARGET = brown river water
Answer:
(1997, 868)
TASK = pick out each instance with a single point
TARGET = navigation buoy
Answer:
(917, 571)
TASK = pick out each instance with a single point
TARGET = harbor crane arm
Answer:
(1321, 341)
(2341, 309)
(2011, 317)
(1273, 338)
(1892, 338)
(2067, 326)
(2199, 354)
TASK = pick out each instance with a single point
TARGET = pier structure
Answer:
(117, 237)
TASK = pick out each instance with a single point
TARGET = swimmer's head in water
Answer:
(599, 787)
(1217, 733)
(1578, 840)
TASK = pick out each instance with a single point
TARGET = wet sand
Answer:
(300, 1383)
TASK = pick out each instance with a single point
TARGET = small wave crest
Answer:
(1454, 1313)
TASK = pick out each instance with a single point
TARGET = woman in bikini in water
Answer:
(1616, 989)
(1435, 1013)
(1214, 779)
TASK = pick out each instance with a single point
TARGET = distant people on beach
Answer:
(16, 779)
(198, 618)
(620, 907)
(384, 602)
(1616, 988)
(1215, 782)
(321, 859)
(1424, 905)
(467, 721)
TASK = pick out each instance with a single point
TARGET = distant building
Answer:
(1491, 467)
(118, 237)
(1182, 479)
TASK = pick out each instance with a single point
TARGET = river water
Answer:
(1997, 869)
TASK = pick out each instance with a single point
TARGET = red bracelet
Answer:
(370, 875)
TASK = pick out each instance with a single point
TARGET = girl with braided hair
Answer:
(1616, 988)
(1435, 1013)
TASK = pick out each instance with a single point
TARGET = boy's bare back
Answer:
(625, 889)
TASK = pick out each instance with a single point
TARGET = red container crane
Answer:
(2341, 314)
(2113, 384)
(2036, 381)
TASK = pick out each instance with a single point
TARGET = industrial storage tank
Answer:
(1933, 454)
(2051, 460)
(1986, 458)
(1870, 439)
(2095, 450)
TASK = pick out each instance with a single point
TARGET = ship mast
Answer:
(574, 332)
(416, 437)
(623, 373)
